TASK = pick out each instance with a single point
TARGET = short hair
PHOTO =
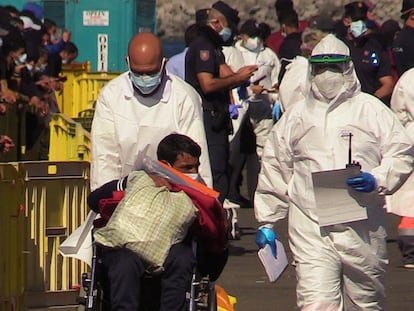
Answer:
(190, 34)
(70, 48)
(289, 18)
(49, 23)
(175, 144)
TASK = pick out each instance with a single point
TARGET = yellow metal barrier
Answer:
(55, 205)
(41, 204)
(81, 88)
(69, 141)
(12, 224)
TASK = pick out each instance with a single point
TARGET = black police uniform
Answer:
(371, 63)
(205, 55)
(403, 50)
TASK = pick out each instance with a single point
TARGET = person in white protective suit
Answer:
(260, 93)
(342, 266)
(402, 103)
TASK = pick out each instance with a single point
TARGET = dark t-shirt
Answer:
(205, 55)
(371, 63)
(403, 50)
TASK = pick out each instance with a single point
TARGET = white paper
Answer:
(79, 244)
(273, 266)
(336, 202)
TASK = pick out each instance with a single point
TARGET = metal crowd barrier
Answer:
(41, 204)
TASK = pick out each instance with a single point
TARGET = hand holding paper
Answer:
(364, 182)
(266, 236)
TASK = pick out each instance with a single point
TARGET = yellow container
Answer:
(55, 205)
(12, 241)
(81, 88)
(69, 141)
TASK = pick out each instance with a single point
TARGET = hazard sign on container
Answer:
(96, 18)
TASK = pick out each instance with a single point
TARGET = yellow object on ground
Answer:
(225, 302)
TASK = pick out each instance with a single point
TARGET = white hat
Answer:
(28, 23)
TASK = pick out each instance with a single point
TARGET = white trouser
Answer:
(340, 267)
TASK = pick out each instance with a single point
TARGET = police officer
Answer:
(372, 64)
(403, 47)
(208, 73)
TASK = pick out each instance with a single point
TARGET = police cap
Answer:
(356, 10)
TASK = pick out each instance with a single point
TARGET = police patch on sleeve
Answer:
(204, 55)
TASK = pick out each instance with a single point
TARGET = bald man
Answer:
(133, 113)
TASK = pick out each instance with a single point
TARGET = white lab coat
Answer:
(127, 126)
(333, 263)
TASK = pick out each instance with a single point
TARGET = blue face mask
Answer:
(358, 28)
(146, 84)
(225, 33)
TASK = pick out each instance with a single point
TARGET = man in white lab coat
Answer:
(341, 266)
(133, 113)
(140, 107)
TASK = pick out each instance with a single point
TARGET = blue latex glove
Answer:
(234, 111)
(266, 236)
(364, 182)
(276, 112)
(242, 90)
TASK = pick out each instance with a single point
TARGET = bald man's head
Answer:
(145, 53)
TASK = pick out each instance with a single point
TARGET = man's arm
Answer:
(210, 84)
(387, 85)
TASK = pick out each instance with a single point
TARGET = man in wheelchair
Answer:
(126, 262)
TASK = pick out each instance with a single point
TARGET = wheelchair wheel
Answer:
(212, 298)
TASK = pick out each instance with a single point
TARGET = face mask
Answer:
(358, 28)
(192, 175)
(29, 67)
(41, 68)
(146, 84)
(329, 83)
(20, 60)
(252, 44)
(64, 61)
(225, 33)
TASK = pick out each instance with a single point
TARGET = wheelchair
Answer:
(201, 295)
(202, 291)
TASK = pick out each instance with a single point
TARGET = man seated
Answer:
(125, 268)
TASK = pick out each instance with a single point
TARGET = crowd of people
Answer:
(31, 58)
(278, 104)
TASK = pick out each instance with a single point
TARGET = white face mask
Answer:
(329, 83)
(253, 44)
(192, 175)
(358, 28)
(20, 60)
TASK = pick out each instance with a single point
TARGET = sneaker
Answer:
(233, 232)
(409, 265)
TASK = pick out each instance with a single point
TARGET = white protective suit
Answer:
(338, 267)
(402, 103)
(127, 126)
(260, 106)
(295, 83)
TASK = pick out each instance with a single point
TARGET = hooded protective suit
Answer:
(339, 266)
